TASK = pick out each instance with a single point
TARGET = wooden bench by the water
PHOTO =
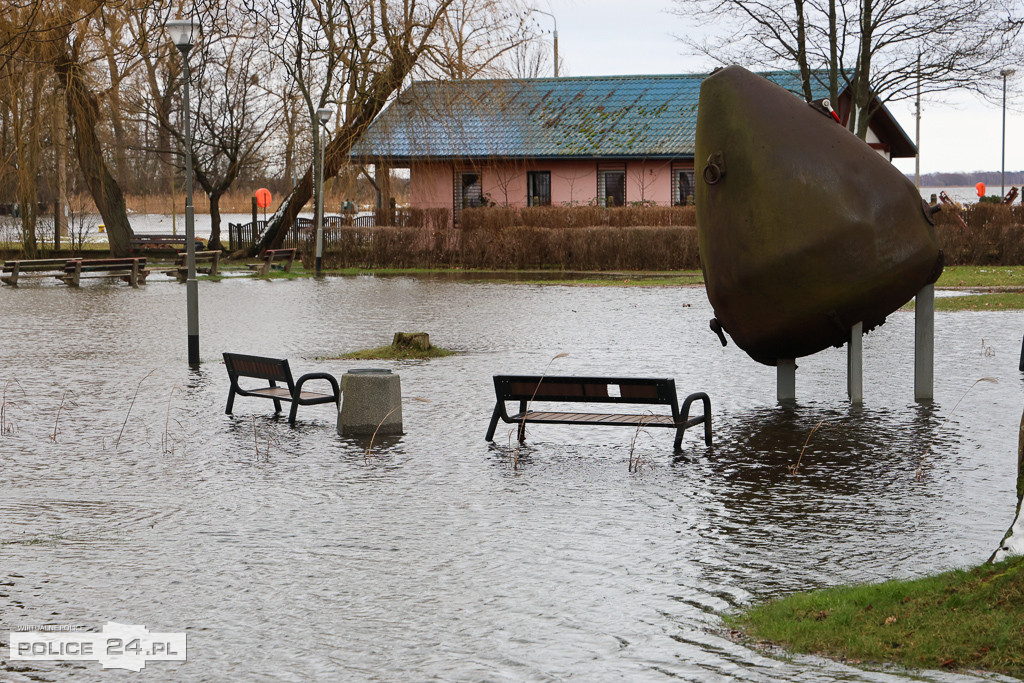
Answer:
(22, 268)
(269, 256)
(531, 389)
(207, 262)
(276, 370)
(132, 270)
(139, 244)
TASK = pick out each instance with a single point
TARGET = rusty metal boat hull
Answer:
(804, 229)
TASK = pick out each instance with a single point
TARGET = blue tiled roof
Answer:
(599, 116)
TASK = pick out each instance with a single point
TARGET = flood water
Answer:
(289, 554)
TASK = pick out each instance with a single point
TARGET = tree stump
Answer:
(419, 341)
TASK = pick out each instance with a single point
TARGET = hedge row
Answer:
(994, 236)
(517, 247)
(494, 218)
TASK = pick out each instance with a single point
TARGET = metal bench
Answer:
(14, 270)
(530, 389)
(276, 370)
(207, 262)
(131, 270)
(140, 244)
(285, 256)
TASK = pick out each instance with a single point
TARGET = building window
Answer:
(611, 185)
(469, 190)
(682, 186)
(538, 188)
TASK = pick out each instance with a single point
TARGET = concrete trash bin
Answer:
(371, 402)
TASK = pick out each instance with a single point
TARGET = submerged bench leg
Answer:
(231, 400)
(684, 413)
(495, 416)
(521, 431)
(277, 401)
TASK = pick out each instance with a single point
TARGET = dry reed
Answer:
(636, 462)
(7, 425)
(130, 406)
(793, 469)
(522, 425)
(56, 420)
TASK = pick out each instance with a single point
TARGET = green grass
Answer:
(982, 276)
(962, 619)
(393, 353)
(992, 301)
(996, 301)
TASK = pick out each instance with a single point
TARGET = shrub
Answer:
(521, 246)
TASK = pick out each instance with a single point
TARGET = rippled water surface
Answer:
(288, 553)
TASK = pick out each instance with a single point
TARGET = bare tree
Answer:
(479, 38)
(233, 114)
(878, 48)
(357, 55)
(73, 45)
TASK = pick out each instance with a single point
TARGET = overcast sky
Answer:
(611, 37)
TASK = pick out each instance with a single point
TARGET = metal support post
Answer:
(855, 364)
(785, 378)
(924, 344)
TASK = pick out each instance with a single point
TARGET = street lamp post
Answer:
(323, 115)
(1005, 73)
(540, 11)
(183, 33)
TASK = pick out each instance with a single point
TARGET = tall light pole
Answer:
(540, 11)
(183, 34)
(1005, 73)
(323, 115)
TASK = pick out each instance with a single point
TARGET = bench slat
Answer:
(619, 419)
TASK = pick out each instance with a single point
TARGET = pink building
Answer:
(609, 140)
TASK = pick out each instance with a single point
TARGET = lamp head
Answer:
(324, 114)
(1006, 73)
(183, 33)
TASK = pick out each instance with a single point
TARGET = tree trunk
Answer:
(83, 116)
(214, 242)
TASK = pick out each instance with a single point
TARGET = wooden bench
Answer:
(207, 262)
(287, 256)
(529, 389)
(276, 370)
(139, 244)
(14, 270)
(132, 270)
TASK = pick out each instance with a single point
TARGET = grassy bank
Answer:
(971, 619)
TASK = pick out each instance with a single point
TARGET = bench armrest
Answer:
(318, 375)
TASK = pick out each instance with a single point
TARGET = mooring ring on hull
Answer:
(714, 169)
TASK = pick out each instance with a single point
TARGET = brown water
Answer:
(433, 559)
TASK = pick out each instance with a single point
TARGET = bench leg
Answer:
(684, 413)
(494, 423)
(521, 432)
(277, 401)
(291, 413)
(231, 400)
